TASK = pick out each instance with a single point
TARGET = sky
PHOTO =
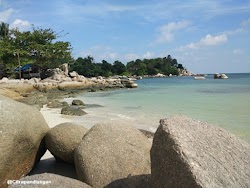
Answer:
(206, 36)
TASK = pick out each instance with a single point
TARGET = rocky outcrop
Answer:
(48, 180)
(57, 104)
(39, 100)
(184, 72)
(73, 111)
(220, 76)
(62, 139)
(129, 83)
(77, 102)
(22, 129)
(111, 151)
(192, 154)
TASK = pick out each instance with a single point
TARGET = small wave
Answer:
(152, 129)
(122, 116)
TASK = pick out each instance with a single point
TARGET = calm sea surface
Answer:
(225, 103)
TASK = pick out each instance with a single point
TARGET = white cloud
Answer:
(166, 32)
(245, 23)
(131, 56)
(213, 40)
(237, 51)
(4, 15)
(100, 52)
(20, 24)
(148, 55)
(208, 40)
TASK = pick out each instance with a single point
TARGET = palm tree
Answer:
(4, 30)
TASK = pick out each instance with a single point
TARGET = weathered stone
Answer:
(77, 102)
(35, 100)
(57, 104)
(73, 74)
(62, 139)
(192, 154)
(220, 76)
(22, 129)
(49, 181)
(139, 181)
(112, 151)
(148, 134)
(69, 110)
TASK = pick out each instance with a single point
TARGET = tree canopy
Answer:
(88, 67)
(43, 48)
(39, 46)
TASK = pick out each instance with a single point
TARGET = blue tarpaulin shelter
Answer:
(24, 67)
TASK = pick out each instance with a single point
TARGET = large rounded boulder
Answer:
(62, 139)
(22, 129)
(47, 180)
(193, 154)
(111, 151)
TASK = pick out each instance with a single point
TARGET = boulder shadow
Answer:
(51, 165)
(138, 181)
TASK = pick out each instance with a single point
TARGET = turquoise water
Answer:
(225, 103)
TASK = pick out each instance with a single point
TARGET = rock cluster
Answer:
(57, 79)
(220, 76)
(185, 153)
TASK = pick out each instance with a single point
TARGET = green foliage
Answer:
(89, 68)
(39, 46)
(165, 65)
(118, 67)
(42, 47)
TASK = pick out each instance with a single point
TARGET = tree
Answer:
(106, 68)
(4, 30)
(39, 46)
(119, 68)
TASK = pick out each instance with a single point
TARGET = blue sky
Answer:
(206, 36)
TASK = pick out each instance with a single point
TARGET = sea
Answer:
(222, 102)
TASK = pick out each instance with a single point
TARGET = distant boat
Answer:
(199, 78)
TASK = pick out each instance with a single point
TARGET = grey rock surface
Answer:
(193, 154)
(62, 139)
(22, 129)
(112, 151)
(73, 111)
(56, 104)
(47, 180)
(77, 102)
